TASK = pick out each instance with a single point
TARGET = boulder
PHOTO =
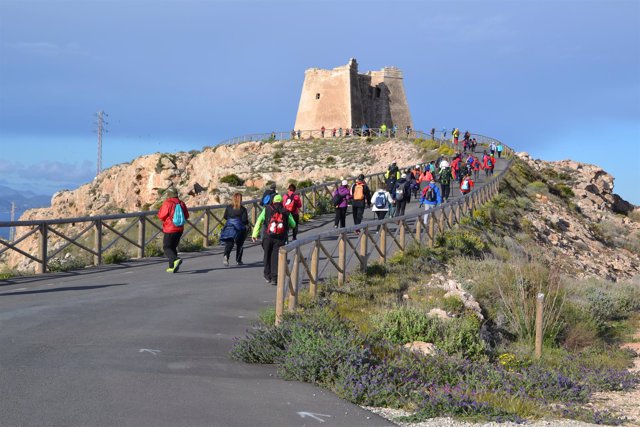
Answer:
(421, 347)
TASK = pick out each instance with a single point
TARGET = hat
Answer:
(444, 164)
(344, 182)
(404, 175)
(273, 186)
(171, 192)
(361, 177)
(417, 166)
(277, 198)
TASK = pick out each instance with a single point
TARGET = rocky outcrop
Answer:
(591, 235)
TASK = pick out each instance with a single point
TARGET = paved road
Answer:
(131, 345)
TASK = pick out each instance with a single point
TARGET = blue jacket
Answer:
(436, 189)
(232, 229)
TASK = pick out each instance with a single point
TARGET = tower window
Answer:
(317, 96)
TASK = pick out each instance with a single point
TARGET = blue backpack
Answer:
(178, 216)
(266, 200)
(381, 201)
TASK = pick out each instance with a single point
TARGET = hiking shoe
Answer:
(169, 270)
(176, 265)
(239, 263)
(267, 280)
(273, 283)
(226, 261)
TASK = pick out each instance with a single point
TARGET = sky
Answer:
(558, 79)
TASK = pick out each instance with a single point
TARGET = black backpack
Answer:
(430, 194)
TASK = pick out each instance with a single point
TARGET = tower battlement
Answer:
(342, 97)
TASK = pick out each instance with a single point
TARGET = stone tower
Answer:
(342, 98)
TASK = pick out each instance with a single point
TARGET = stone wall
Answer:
(343, 98)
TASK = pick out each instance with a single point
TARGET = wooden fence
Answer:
(95, 235)
(310, 261)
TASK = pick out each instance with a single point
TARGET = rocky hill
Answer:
(139, 185)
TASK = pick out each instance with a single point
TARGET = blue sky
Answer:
(558, 79)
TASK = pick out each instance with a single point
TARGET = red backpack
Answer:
(276, 226)
(291, 202)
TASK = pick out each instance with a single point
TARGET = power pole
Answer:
(101, 129)
(12, 230)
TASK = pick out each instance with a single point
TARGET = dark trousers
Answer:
(271, 246)
(170, 246)
(446, 190)
(358, 213)
(296, 218)
(400, 207)
(380, 215)
(341, 217)
(239, 244)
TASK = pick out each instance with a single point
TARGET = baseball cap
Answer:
(344, 182)
(277, 198)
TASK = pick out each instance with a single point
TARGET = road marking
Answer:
(148, 350)
(314, 416)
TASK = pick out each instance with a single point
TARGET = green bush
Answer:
(68, 264)
(191, 245)
(305, 183)
(232, 179)
(330, 160)
(153, 249)
(115, 256)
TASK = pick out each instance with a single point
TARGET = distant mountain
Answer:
(23, 199)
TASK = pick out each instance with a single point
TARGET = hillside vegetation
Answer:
(448, 330)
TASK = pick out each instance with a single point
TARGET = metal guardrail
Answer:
(144, 228)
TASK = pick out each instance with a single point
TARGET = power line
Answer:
(101, 123)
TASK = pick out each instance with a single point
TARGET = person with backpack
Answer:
(475, 167)
(431, 197)
(380, 203)
(492, 148)
(292, 203)
(234, 231)
(173, 213)
(402, 194)
(499, 149)
(489, 164)
(360, 196)
(340, 200)
(277, 222)
(467, 184)
(391, 177)
(268, 195)
(445, 178)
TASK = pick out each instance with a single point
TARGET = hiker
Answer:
(467, 184)
(474, 144)
(299, 133)
(340, 132)
(416, 175)
(476, 167)
(173, 213)
(431, 197)
(383, 130)
(456, 134)
(267, 196)
(292, 204)
(234, 231)
(293, 134)
(340, 200)
(402, 194)
(322, 129)
(278, 221)
(408, 131)
(433, 134)
(333, 132)
(445, 177)
(489, 164)
(499, 149)
(391, 177)
(380, 203)
(394, 131)
(360, 196)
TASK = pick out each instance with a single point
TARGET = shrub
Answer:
(232, 179)
(68, 264)
(330, 160)
(305, 183)
(115, 256)
(191, 245)
(153, 249)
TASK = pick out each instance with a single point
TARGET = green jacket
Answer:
(263, 216)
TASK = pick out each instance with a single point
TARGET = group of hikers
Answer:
(364, 130)
(430, 184)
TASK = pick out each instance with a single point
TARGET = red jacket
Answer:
(295, 201)
(471, 185)
(486, 160)
(166, 215)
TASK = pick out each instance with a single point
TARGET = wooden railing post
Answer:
(402, 236)
(282, 278)
(539, 324)
(314, 201)
(142, 222)
(315, 261)
(383, 243)
(431, 229)
(44, 231)
(293, 288)
(364, 236)
(206, 226)
(254, 213)
(97, 242)
(419, 229)
(342, 259)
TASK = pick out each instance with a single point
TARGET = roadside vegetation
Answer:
(351, 338)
